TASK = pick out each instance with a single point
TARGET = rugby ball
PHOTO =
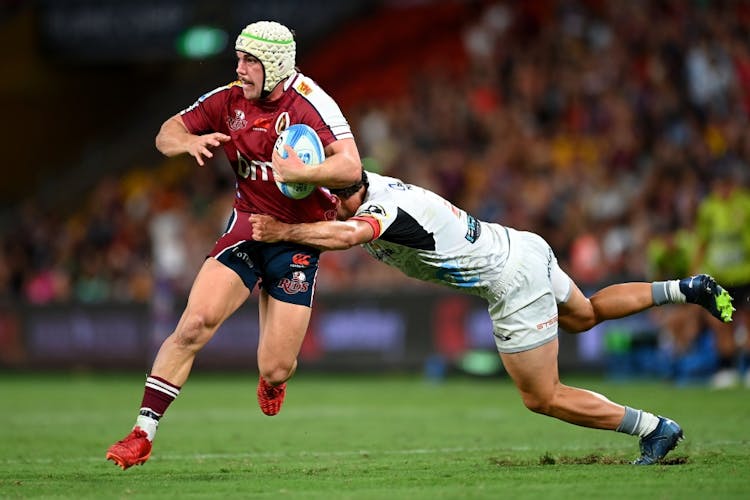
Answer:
(306, 143)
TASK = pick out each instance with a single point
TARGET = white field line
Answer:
(340, 453)
(273, 454)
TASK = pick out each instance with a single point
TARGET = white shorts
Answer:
(524, 313)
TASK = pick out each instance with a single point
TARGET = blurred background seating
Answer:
(597, 124)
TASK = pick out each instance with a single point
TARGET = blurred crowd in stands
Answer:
(600, 125)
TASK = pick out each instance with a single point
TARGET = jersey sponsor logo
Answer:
(261, 123)
(474, 229)
(253, 169)
(238, 121)
(547, 324)
(298, 283)
(303, 88)
(282, 122)
(301, 260)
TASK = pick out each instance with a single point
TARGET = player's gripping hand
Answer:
(266, 228)
(200, 146)
(289, 169)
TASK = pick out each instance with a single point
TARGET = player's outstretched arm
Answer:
(325, 235)
(174, 139)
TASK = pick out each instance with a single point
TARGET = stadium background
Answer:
(598, 124)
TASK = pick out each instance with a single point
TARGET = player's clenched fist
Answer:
(266, 228)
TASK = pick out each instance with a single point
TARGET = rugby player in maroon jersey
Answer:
(244, 118)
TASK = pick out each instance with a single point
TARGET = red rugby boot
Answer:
(133, 449)
(270, 397)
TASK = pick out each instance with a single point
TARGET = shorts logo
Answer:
(300, 260)
(298, 283)
(237, 122)
(546, 324)
(502, 337)
(243, 257)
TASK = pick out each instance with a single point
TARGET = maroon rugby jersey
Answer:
(254, 127)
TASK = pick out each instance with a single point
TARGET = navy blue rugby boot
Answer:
(703, 290)
(659, 442)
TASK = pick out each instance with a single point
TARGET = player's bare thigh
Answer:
(534, 371)
(216, 293)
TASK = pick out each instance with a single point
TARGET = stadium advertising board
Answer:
(358, 333)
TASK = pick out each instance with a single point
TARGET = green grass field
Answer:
(359, 438)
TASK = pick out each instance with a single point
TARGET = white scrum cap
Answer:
(273, 45)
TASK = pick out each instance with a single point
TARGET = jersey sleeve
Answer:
(204, 115)
(324, 114)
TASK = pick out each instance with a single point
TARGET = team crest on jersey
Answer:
(237, 121)
(282, 122)
(298, 283)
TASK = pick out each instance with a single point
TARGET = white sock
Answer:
(638, 422)
(148, 424)
(667, 292)
(647, 424)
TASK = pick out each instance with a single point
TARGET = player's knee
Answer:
(537, 403)
(276, 371)
(195, 330)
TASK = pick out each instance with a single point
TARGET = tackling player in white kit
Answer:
(516, 272)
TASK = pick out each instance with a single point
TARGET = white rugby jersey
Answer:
(430, 239)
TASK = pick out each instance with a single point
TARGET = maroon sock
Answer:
(157, 396)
